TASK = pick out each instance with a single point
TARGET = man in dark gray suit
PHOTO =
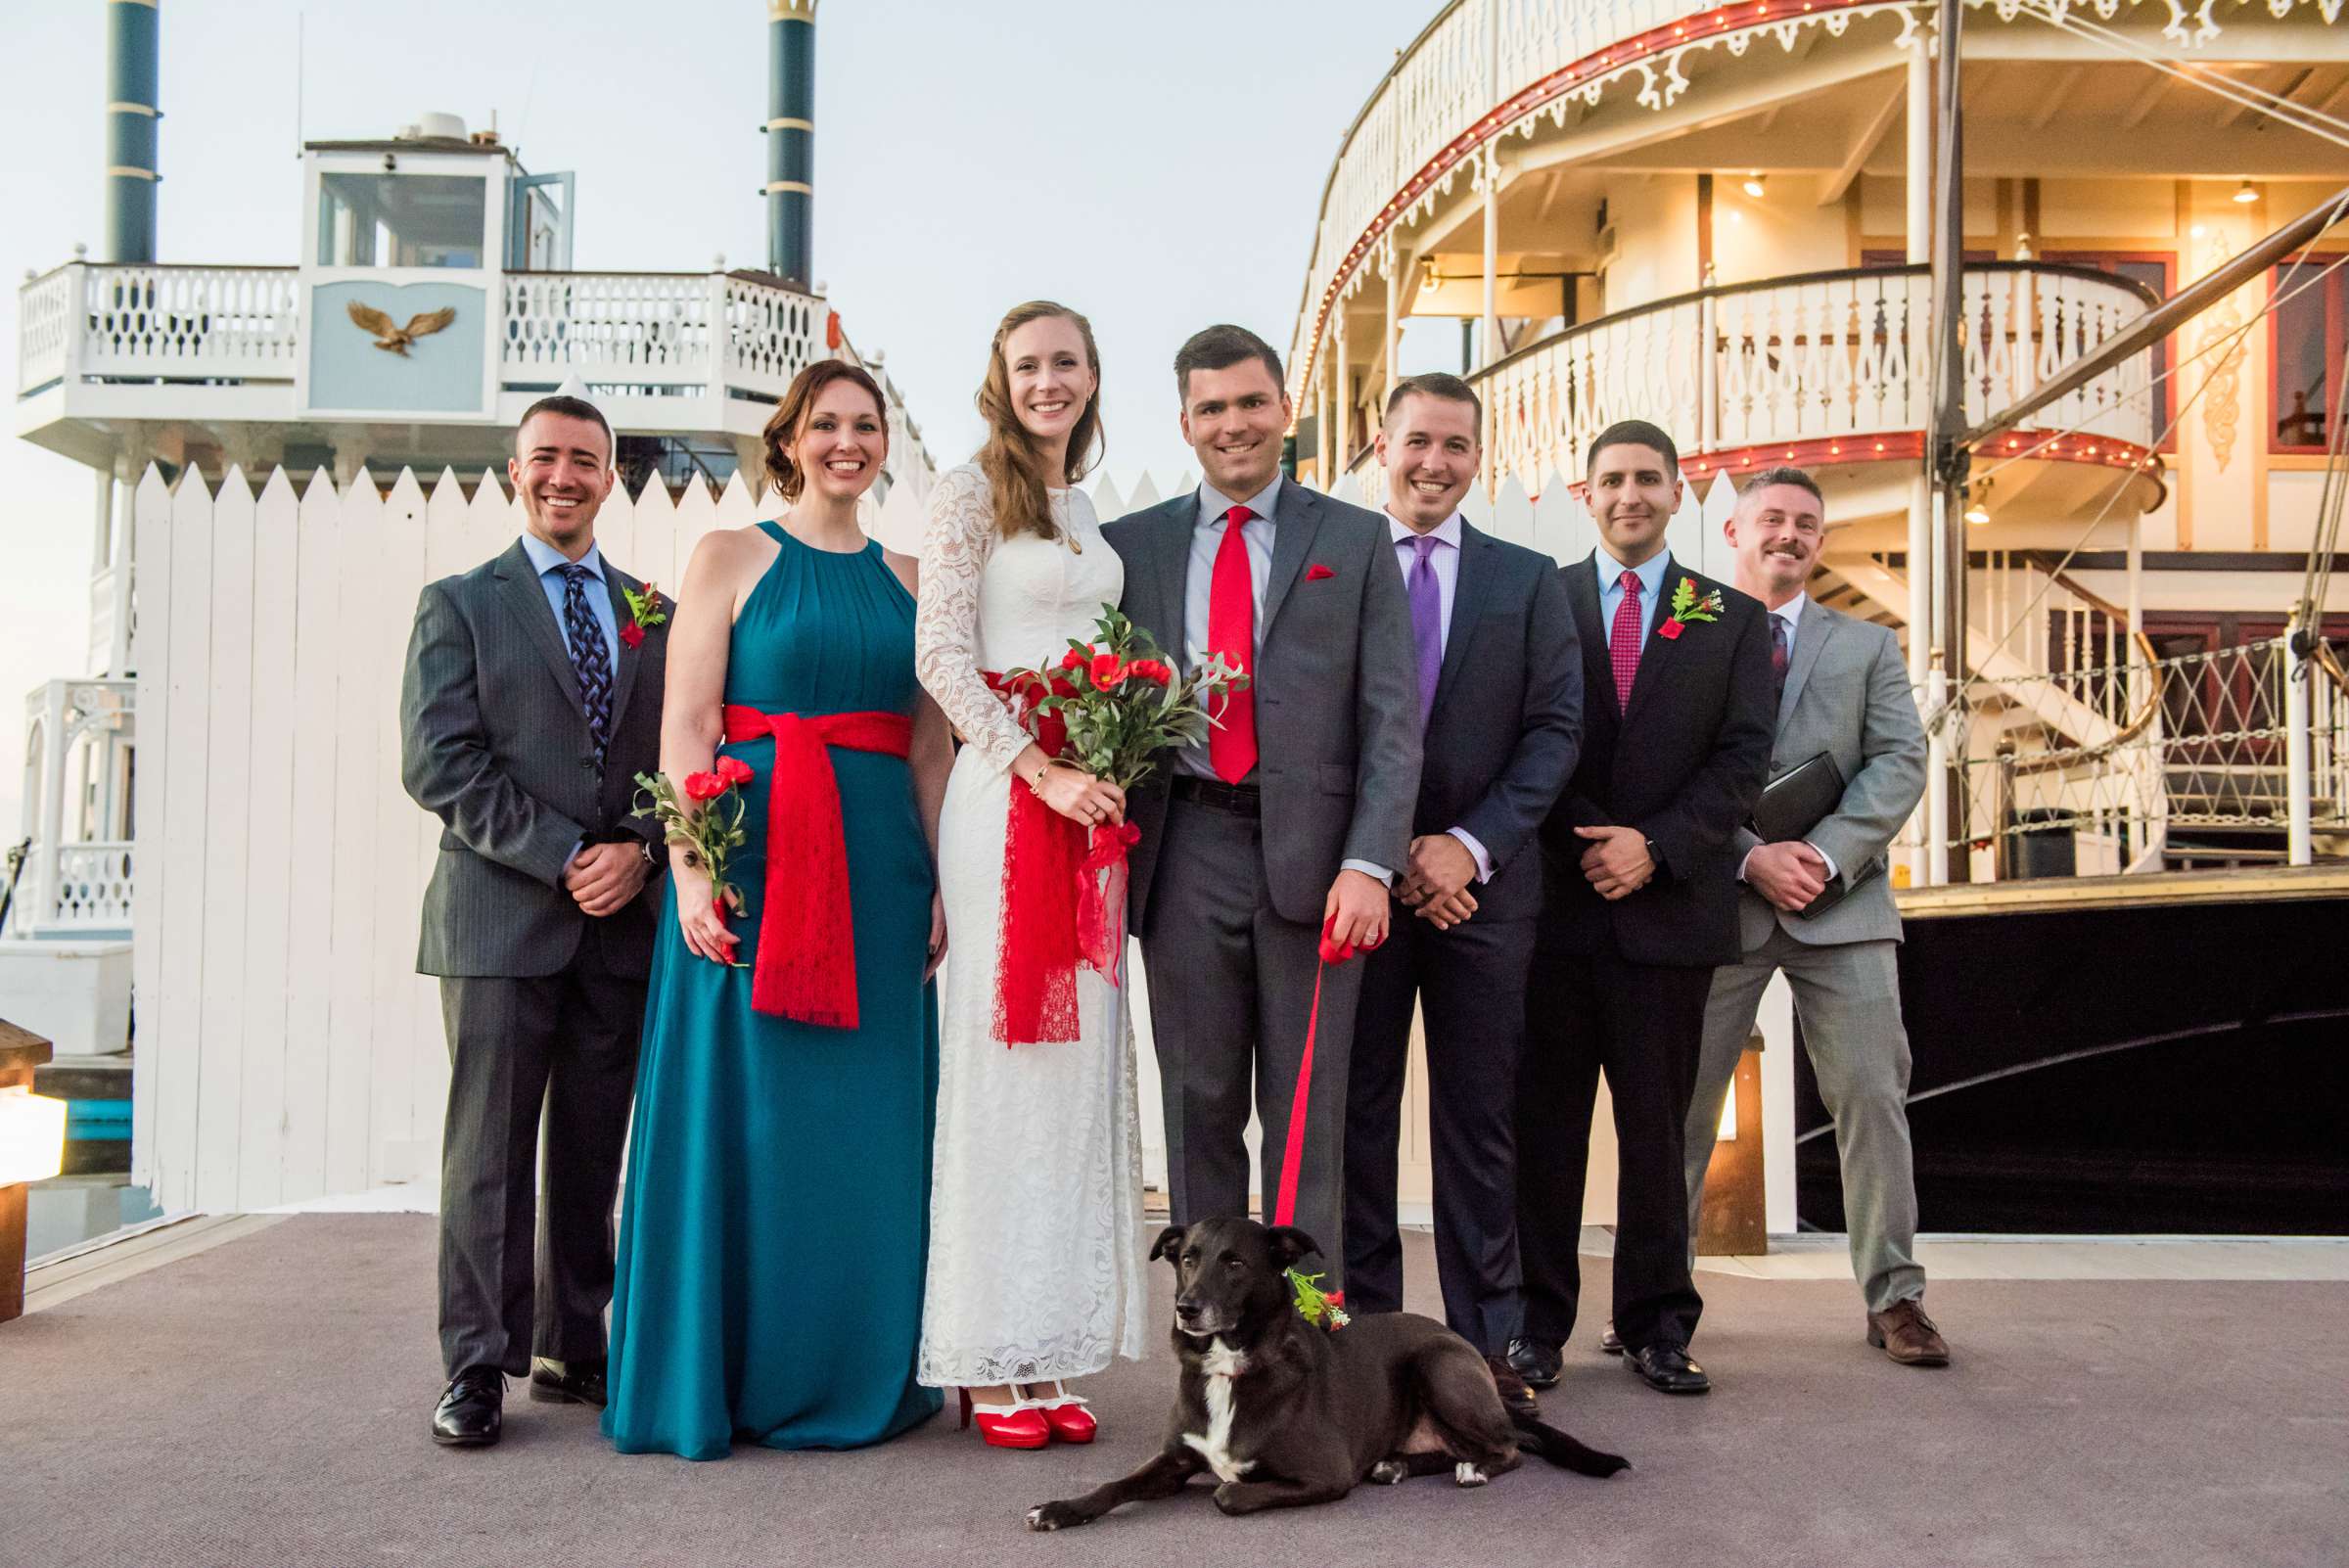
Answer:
(1501, 696)
(1295, 815)
(531, 700)
(1844, 692)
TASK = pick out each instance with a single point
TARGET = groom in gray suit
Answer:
(1843, 692)
(1297, 812)
(531, 700)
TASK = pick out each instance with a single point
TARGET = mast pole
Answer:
(1946, 460)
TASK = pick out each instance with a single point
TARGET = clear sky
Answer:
(1155, 164)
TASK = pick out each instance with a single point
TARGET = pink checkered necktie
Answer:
(1623, 639)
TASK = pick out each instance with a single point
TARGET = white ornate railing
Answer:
(635, 329)
(771, 335)
(91, 890)
(1487, 69)
(187, 323)
(44, 327)
(1819, 357)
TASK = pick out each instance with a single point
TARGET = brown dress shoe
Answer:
(1905, 1333)
(1516, 1396)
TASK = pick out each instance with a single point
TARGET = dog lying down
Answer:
(1284, 1413)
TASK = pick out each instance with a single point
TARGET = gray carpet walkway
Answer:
(264, 1402)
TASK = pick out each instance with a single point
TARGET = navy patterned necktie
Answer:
(591, 660)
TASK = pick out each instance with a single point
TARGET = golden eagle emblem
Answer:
(394, 338)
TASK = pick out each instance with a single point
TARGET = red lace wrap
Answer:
(806, 963)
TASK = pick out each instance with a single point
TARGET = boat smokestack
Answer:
(790, 139)
(131, 71)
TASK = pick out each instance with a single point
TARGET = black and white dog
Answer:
(1283, 1413)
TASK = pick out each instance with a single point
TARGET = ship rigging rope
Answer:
(1951, 704)
(2248, 95)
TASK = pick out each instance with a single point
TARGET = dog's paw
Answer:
(1389, 1472)
(1055, 1516)
(1467, 1474)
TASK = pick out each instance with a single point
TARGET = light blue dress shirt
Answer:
(1207, 538)
(1610, 590)
(548, 562)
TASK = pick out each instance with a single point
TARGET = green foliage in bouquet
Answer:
(1123, 703)
(710, 835)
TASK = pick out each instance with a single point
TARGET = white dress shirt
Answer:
(1445, 562)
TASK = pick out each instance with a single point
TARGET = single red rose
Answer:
(1076, 658)
(704, 786)
(1669, 630)
(1106, 670)
(632, 635)
(734, 770)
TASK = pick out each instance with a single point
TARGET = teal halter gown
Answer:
(775, 1222)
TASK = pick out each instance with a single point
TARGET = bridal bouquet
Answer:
(711, 834)
(1122, 703)
(1110, 707)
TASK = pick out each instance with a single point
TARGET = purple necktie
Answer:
(1427, 621)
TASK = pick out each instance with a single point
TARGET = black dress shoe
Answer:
(1611, 1342)
(1667, 1369)
(472, 1409)
(1515, 1395)
(1534, 1361)
(568, 1383)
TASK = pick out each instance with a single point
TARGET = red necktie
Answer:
(1232, 632)
(1623, 639)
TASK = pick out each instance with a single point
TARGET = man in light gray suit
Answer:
(531, 700)
(1844, 693)
(1295, 815)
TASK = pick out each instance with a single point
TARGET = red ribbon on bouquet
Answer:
(1333, 951)
(1064, 899)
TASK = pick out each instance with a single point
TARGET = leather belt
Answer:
(1240, 800)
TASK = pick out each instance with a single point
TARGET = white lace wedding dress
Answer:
(1036, 1202)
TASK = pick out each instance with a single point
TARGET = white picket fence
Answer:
(287, 1049)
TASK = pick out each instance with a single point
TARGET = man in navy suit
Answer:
(1679, 709)
(1501, 703)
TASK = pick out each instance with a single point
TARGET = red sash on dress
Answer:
(806, 963)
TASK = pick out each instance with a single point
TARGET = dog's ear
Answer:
(1288, 1244)
(1169, 1242)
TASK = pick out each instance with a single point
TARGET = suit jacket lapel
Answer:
(1297, 516)
(526, 597)
(623, 674)
(1582, 591)
(1477, 551)
(1811, 634)
(1170, 535)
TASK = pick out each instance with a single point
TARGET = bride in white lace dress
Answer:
(1036, 1268)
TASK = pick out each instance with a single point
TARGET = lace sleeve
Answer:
(955, 547)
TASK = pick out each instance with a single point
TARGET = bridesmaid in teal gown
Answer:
(774, 1223)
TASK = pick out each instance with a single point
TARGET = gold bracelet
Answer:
(1036, 781)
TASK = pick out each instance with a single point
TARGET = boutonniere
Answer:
(1688, 607)
(1316, 572)
(646, 610)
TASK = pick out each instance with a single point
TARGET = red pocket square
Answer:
(1316, 572)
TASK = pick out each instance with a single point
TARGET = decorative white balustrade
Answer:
(648, 332)
(91, 890)
(1489, 69)
(1826, 357)
(78, 736)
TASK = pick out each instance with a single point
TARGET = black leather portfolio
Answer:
(1796, 802)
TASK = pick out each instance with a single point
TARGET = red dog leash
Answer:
(1284, 1206)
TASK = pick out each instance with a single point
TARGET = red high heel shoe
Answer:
(1019, 1425)
(1066, 1416)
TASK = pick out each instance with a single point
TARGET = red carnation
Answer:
(1106, 670)
(1151, 669)
(1076, 658)
(704, 786)
(734, 770)
(632, 635)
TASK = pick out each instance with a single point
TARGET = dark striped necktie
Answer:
(591, 660)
